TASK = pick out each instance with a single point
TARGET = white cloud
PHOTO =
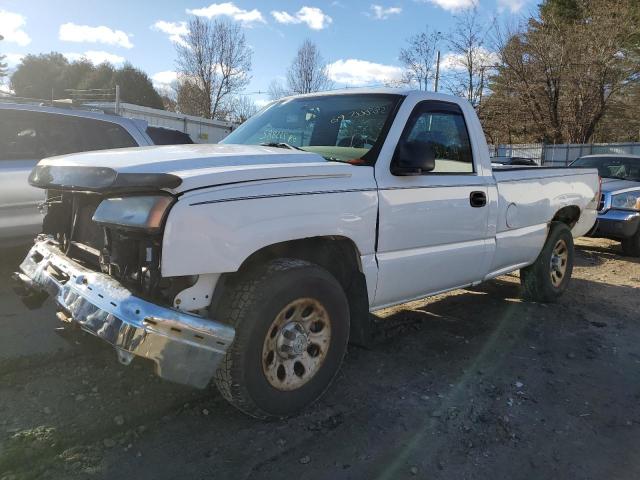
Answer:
(453, 61)
(354, 72)
(514, 6)
(454, 5)
(95, 56)
(176, 30)
(11, 28)
(70, 32)
(13, 59)
(163, 80)
(229, 9)
(284, 17)
(381, 13)
(315, 18)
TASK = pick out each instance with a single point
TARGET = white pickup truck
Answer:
(256, 260)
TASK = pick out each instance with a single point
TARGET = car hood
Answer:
(610, 185)
(179, 168)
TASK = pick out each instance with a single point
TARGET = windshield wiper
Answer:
(281, 145)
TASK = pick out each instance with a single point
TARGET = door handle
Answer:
(478, 199)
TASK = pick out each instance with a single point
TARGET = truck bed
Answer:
(527, 198)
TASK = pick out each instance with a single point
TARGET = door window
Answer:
(28, 135)
(19, 136)
(59, 135)
(441, 127)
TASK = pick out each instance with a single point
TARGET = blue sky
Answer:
(361, 38)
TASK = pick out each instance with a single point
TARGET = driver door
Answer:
(433, 233)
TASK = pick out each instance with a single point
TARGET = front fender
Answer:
(207, 233)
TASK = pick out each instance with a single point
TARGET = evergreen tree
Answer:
(51, 75)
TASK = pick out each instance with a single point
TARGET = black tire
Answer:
(631, 246)
(540, 282)
(250, 304)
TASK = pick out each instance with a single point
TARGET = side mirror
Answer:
(413, 158)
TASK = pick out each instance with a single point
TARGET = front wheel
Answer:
(548, 277)
(292, 326)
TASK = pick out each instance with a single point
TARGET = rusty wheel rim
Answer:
(559, 259)
(296, 344)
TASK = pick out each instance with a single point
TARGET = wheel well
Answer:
(568, 215)
(323, 251)
(339, 255)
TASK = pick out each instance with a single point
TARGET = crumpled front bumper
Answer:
(185, 348)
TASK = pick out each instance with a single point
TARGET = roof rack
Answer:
(79, 99)
(67, 103)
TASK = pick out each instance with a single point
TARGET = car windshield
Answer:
(624, 168)
(343, 128)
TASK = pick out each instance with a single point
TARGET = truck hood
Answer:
(179, 168)
(610, 185)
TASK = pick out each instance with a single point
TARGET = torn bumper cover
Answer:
(185, 348)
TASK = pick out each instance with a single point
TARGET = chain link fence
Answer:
(560, 155)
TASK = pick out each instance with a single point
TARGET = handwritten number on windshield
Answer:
(359, 113)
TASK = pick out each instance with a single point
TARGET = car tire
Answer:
(292, 326)
(631, 246)
(548, 277)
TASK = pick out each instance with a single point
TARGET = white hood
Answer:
(206, 165)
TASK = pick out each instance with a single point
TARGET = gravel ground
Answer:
(470, 384)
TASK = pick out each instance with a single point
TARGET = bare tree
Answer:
(169, 102)
(3, 65)
(419, 58)
(308, 71)
(215, 61)
(192, 99)
(277, 89)
(559, 76)
(242, 108)
(468, 56)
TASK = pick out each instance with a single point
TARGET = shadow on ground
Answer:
(471, 384)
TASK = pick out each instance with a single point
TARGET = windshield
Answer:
(624, 168)
(344, 128)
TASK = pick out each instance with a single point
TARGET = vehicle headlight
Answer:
(135, 212)
(626, 200)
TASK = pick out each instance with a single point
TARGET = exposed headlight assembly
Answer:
(134, 212)
(626, 200)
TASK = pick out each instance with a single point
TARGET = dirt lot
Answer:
(471, 384)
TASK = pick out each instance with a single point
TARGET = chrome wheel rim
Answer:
(559, 259)
(296, 344)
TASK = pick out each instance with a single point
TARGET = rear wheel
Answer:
(548, 278)
(631, 246)
(292, 326)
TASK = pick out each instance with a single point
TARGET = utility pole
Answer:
(481, 86)
(437, 71)
(117, 99)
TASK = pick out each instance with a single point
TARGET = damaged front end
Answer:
(99, 258)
